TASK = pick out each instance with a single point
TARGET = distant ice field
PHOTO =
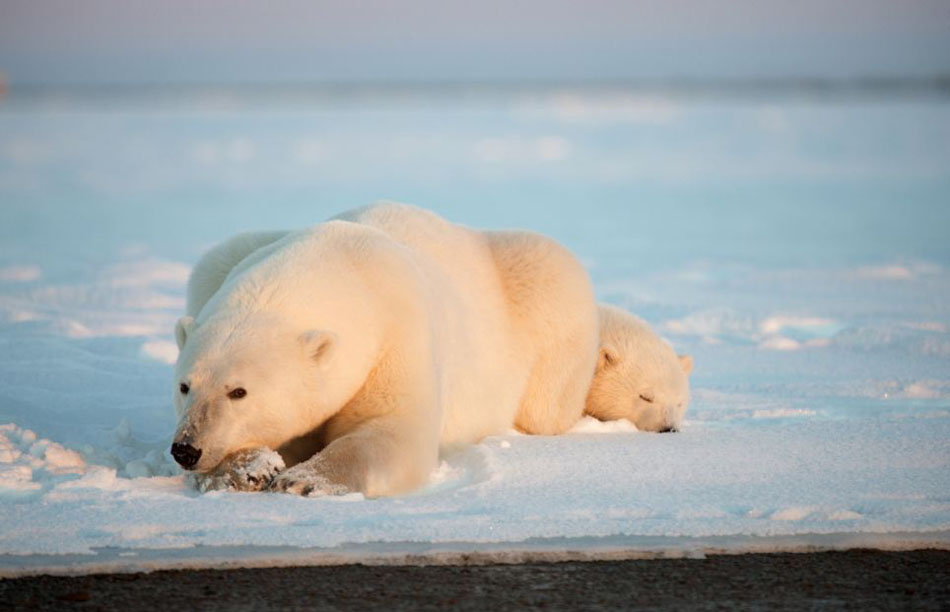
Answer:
(798, 247)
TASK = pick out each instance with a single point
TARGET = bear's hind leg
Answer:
(555, 395)
(554, 317)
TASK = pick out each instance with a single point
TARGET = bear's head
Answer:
(639, 377)
(246, 383)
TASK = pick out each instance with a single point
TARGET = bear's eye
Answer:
(237, 393)
(183, 388)
(647, 399)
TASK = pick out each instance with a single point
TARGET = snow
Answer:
(797, 248)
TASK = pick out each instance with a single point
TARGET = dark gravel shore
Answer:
(857, 579)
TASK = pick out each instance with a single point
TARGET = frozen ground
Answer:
(798, 248)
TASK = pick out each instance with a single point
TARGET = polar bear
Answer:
(361, 347)
(639, 377)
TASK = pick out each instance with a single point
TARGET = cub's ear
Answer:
(608, 357)
(182, 330)
(318, 345)
(686, 362)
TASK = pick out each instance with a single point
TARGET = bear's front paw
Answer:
(248, 470)
(303, 480)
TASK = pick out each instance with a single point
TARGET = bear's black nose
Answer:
(669, 429)
(186, 455)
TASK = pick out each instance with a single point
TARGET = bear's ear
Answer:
(686, 362)
(318, 345)
(182, 328)
(608, 357)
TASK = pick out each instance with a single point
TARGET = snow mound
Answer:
(29, 465)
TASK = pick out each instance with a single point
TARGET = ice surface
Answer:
(798, 249)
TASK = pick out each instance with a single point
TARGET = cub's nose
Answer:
(186, 455)
(669, 429)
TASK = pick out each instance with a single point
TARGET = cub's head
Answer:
(248, 383)
(639, 377)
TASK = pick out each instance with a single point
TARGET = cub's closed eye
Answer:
(183, 388)
(237, 393)
(647, 399)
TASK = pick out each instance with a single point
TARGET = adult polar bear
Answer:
(372, 341)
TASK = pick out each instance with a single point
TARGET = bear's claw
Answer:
(299, 480)
(248, 470)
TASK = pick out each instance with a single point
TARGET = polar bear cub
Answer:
(639, 377)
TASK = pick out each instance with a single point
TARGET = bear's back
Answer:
(440, 241)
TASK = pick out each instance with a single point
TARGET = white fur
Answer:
(376, 339)
(639, 377)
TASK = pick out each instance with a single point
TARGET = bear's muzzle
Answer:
(186, 455)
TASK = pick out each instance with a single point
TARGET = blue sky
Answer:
(107, 41)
